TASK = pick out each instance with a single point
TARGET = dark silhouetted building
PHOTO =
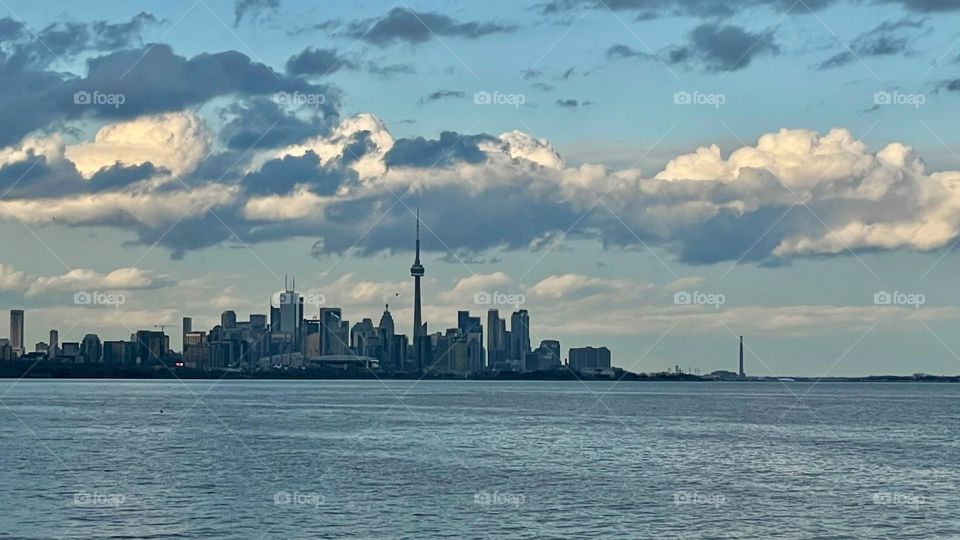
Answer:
(589, 358)
(16, 331)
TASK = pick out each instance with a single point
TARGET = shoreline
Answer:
(51, 370)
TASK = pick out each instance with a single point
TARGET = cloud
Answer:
(572, 103)
(619, 51)
(86, 279)
(313, 61)
(883, 40)
(11, 279)
(176, 142)
(950, 85)
(260, 123)
(441, 94)
(61, 39)
(340, 189)
(722, 48)
(252, 8)
(403, 25)
(135, 82)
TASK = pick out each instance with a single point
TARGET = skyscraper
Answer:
(417, 272)
(741, 358)
(496, 339)
(54, 344)
(16, 331)
(519, 334)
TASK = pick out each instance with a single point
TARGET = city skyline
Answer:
(287, 339)
(801, 172)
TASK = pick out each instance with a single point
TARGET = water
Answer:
(399, 459)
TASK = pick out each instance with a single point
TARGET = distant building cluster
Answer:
(289, 340)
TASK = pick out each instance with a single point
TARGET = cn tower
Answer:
(417, 272)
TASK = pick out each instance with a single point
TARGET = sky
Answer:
(656, 176)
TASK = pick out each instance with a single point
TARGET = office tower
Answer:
(54, 344)
(16, 331)
(519, 334)
(258, 322)
(286, 316)
(228, 319)
(333, 336)
(589, 358)
(91, 350)
(6, 351)
(472, 330)
(185, 329)
(151, 347)
(554, 347)
(365, 338)
(71, 350)
(119, 352)
(401, 347)
(741, 358)
(417, 272)
(494, 338)
(390, 358)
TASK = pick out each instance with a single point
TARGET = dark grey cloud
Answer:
(886, 39)
(402, 25)
(542, 86)
(441, 94)
(281, 175)
(67, 38)
(312, 61)
(262, 123)
(252, 8)
(951, 85)
(532, 74)
(568, 103)
(11, 29)
(324, 26)
(926, 6)
(722, 48)
(707, 9)
(151, 80)
(388, 71)
(616, 52)
(713, 9)
(119, 175)
(450, 148)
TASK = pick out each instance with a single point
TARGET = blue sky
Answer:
(207, 183)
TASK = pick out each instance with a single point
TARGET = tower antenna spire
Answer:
(418, 235)
(417, 272)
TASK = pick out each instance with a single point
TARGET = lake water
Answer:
(401, 459)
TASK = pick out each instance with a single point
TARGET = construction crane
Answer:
(162, 327)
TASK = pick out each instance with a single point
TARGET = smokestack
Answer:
(741, 358)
